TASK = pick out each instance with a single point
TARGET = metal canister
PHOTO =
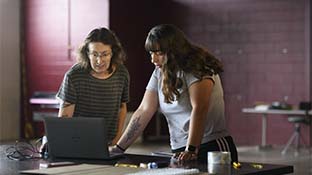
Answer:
(219, 163)
(219, 157)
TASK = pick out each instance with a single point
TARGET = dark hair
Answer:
(182, 56)
(106, 37)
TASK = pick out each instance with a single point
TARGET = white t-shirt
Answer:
(178, 112)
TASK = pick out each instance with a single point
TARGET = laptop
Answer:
(77, 137)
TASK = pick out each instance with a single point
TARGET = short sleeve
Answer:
(154, 80)
(125, 93)
(190, 79)
(67, 91)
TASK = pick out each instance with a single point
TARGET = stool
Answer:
(296, 134)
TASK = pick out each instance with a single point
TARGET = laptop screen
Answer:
(76, 137)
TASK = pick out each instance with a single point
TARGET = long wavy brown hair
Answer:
(182, 56)
(106, 37)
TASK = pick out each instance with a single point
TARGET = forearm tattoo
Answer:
(134, 127)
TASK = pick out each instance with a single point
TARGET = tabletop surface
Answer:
(12, 167)
(276, 111)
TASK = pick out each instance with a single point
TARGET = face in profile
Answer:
(100, 56)
(158, 58)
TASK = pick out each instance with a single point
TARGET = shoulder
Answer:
(122, 70)
(157, 72)
(76, 69)
(191, 78)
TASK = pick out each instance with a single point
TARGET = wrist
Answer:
(191, 148)
(120, 148)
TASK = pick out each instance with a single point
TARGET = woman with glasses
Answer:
(185, 86)
(98, 84)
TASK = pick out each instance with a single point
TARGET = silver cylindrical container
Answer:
(218, 157)
(219, 163)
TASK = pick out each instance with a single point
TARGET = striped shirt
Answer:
(95, 97)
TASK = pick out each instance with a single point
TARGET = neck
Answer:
(102, 75)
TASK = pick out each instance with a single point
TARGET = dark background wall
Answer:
(132, 21)
(262, 43)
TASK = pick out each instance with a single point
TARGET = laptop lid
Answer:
(77, 137)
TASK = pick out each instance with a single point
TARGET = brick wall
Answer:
(262, 45)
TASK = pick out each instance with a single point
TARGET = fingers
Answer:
(185, 155)
(176, 155)
(114, 149)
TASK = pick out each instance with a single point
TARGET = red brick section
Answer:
(261, 42)
(262, 45)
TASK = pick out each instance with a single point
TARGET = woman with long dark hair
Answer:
(185, 86)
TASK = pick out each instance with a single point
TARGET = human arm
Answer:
(139, 120)
(199, 96)
(66, 96)
(121, 122)
(66, 109)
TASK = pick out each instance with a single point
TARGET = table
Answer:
(13, 167)
(43, 105)
(267, 112)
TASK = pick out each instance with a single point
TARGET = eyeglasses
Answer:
(94, 55)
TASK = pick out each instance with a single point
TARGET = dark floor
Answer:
(302, 162)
